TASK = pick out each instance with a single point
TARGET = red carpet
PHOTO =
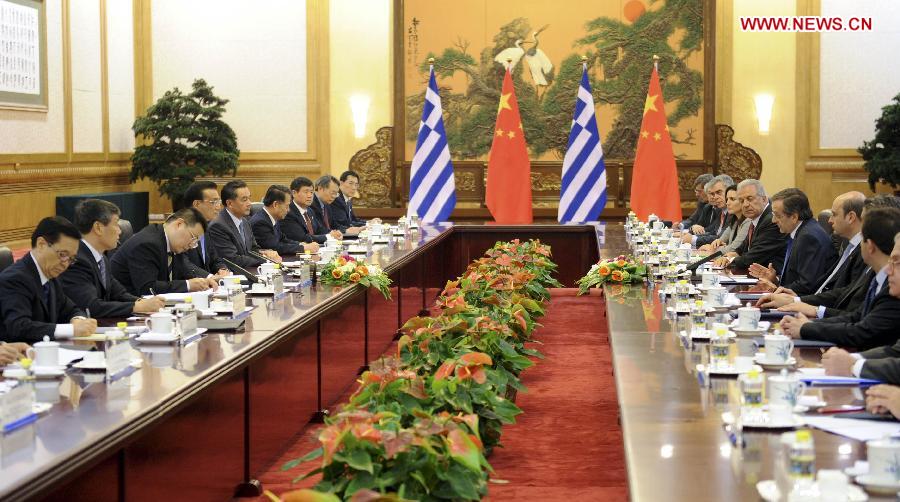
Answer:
(567, 445)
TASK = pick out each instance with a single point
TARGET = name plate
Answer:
(16, 406)
(188, 322)
(118, 358)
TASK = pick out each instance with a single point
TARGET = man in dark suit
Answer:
(808, 255)
(715, 193)
(840, 290)
(152, 261)
(764, 242)
(702, 216)
(231, 233)
(267, 223)
(342, 205)
(874, 323)
(204, 197)
(300, 224)
(326, 192)
(879, 363)
(89, 282)
(33, 304)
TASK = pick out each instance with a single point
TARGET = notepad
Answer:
(817, 376)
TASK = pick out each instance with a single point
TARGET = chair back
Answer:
(6, 257)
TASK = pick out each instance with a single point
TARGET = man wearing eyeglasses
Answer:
(152, 261)
(204, 197)
(33, 304)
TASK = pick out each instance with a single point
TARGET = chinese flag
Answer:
(654, 180)
(509, 170)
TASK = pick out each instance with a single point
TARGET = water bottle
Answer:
(802, 459)
(682, 295)
(751, 385)
(698, 317)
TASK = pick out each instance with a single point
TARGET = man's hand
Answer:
(149, 305)
(787, 291)
(765, 285)
(9, 354)
(336, 234)
(760, 272)
(201, 283)
(271, 254)
(311, 247)
(721, 261)
(354, 230)
(687, 239)
(84, 327)
(774, 300)
(791, 325)
(803, 308)
(223, 272)
(883, 399)
(838, 362)
(698, 229)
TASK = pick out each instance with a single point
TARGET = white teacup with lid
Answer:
(46, 353)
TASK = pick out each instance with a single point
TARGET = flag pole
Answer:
(584, 62)
(656, 62)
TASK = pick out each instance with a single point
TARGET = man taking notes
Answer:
(89, 282)
(152, 261)
(33, 304)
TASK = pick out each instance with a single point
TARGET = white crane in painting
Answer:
(513, 54)
(537, 60)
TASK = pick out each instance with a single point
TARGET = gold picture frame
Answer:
(17, 46)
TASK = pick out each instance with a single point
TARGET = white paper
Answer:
(66, 356)
(20, 49)
(860, 430)
(118, 357)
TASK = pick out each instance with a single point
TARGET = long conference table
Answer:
(200, 421)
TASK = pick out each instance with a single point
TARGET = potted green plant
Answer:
(882, 154)
(183, 137)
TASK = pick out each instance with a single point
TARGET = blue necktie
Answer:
(870, 296)
(350, 209)
(787, 256)
(203, 247)
(46, 289)
(847, 250)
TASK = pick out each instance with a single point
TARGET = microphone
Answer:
(252, 253)
(693, 266)
(250, 275)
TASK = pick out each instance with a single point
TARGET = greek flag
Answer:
(432, 189)
(583, 194)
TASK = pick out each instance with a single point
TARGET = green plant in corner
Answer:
(882, 154)
(183, 137)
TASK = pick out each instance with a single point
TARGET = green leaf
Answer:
(463, 449)
(359, 459)
(361, 481)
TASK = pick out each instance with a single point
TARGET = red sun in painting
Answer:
(633, 10)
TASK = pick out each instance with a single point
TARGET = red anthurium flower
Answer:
(330, 437)
(366, 432)
(476, 358)
(445, 370)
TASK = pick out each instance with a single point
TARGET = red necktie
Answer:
(750, 235)
(325, 217)
(308, 223)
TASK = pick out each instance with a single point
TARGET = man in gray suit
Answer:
(231, 233)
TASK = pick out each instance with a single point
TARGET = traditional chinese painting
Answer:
(544, 42)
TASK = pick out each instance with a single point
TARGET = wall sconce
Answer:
(359, 107)
(764, 104)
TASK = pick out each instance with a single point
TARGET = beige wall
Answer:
(753, 63)
(361, 43)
